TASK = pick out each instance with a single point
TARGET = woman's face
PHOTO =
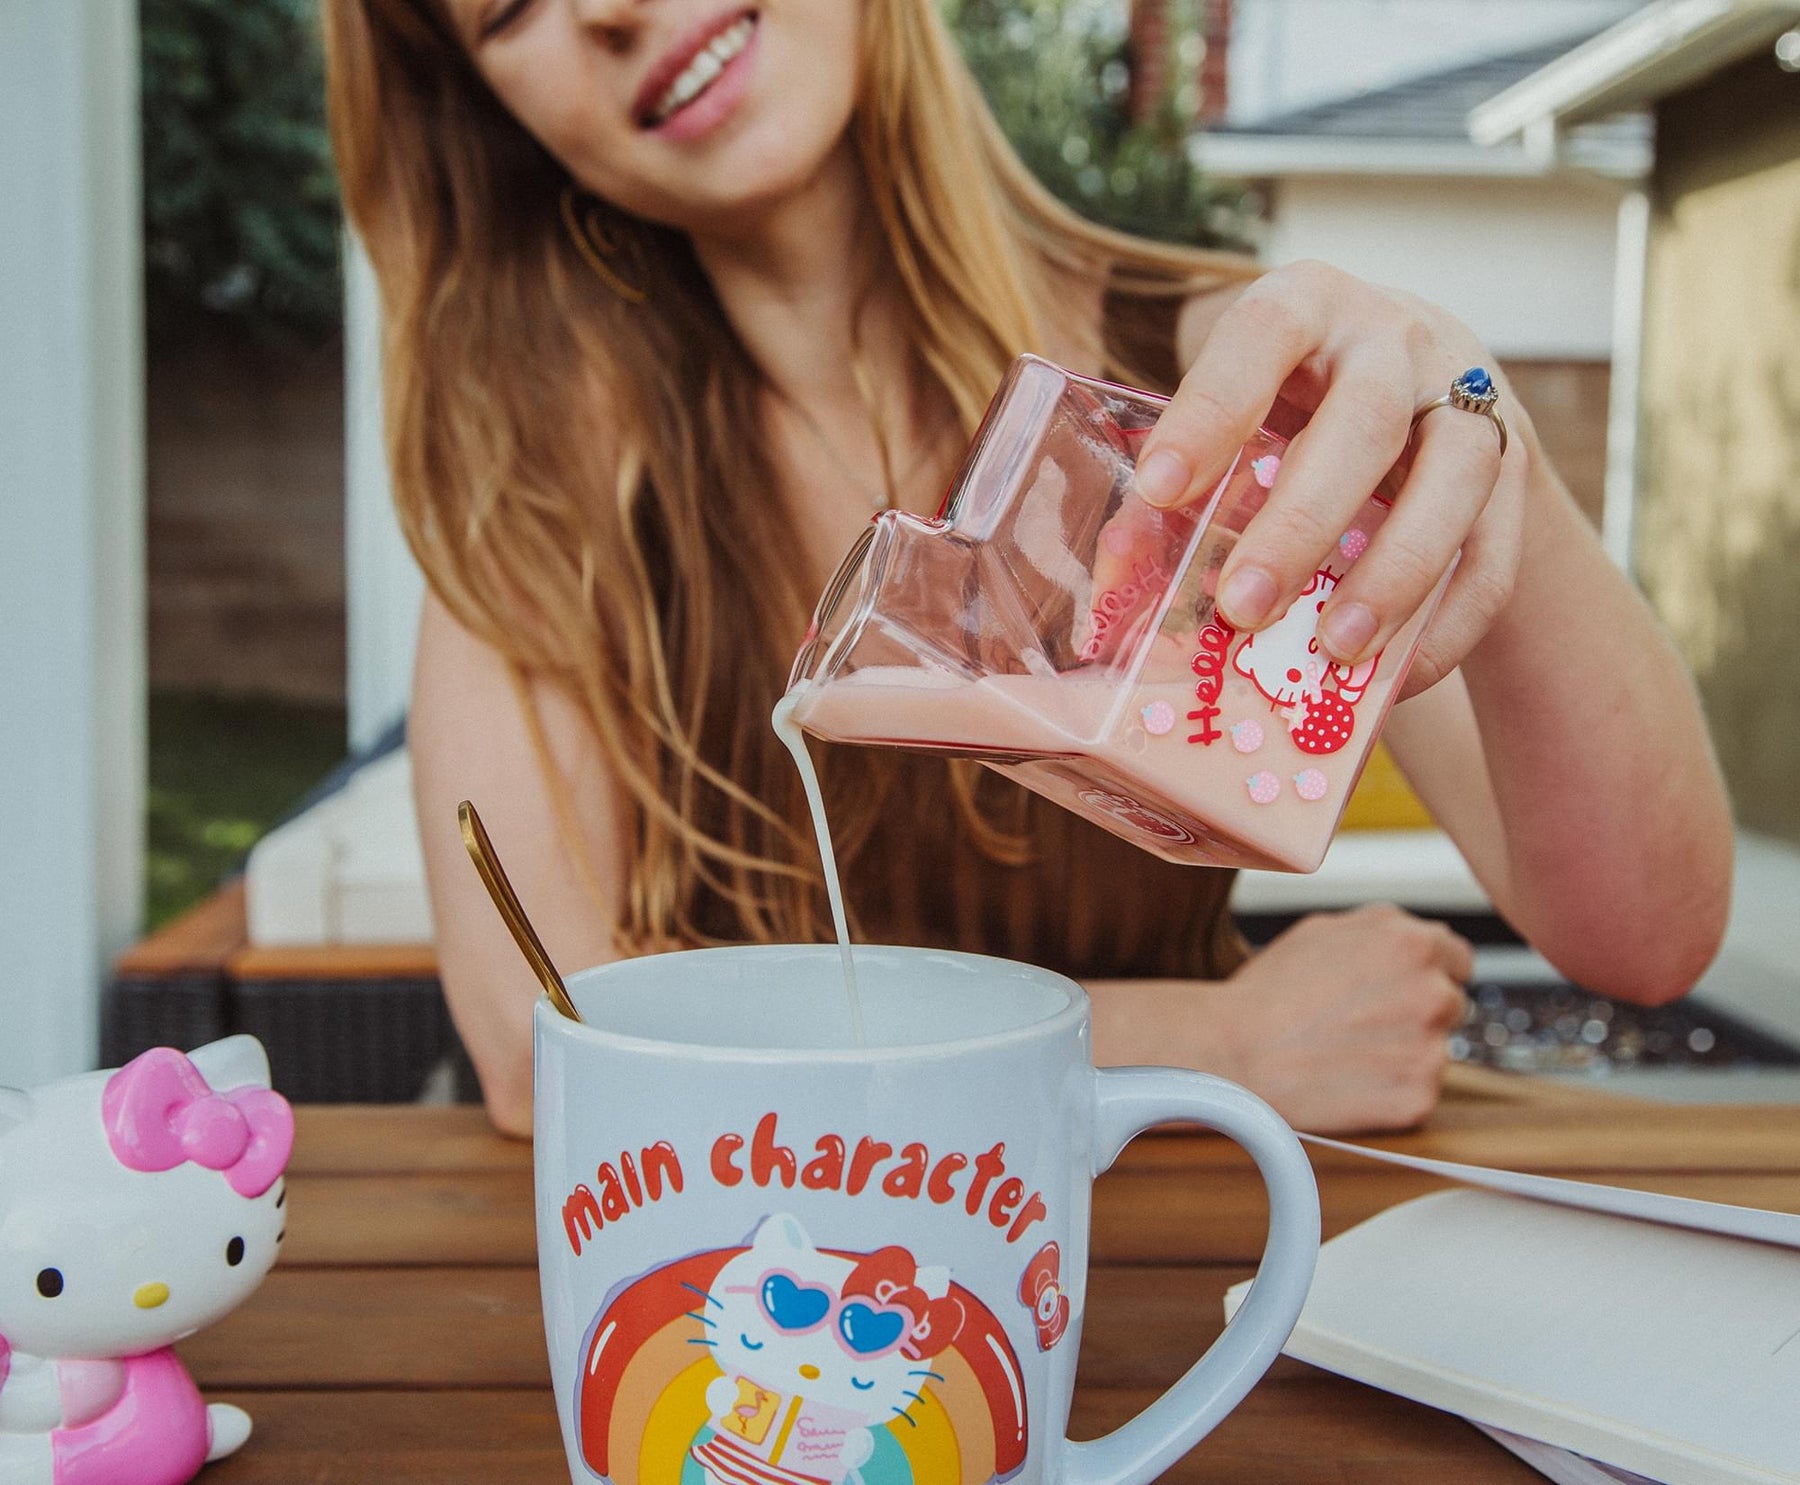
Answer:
(695, 113)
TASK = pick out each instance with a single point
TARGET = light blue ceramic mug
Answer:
(772, 1257)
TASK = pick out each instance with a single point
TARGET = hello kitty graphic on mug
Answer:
(782, 1363)
(855, 1264)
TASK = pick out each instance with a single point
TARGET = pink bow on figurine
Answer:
(158, 1111)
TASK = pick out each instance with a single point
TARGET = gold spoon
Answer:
(512, 913)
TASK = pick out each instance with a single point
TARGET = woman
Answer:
(676, 291)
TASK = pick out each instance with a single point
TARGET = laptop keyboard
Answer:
(1559, 1027)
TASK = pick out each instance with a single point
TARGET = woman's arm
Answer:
(469, 740)
(1570, 763)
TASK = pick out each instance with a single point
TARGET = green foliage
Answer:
(223, 771)
(1056, 73)
(241, 213)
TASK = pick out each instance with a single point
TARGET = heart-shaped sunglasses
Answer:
(792, 1306)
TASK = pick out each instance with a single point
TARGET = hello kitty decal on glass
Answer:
(782, 1363)
(1316, 694)
(136, 1208)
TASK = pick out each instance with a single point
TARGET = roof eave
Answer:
(1652, 53)
(1272, 156)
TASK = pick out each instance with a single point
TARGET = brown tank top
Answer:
(1085, 903)
(1077, 899)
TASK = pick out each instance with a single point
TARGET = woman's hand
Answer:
(1360, 360)
(1341, 1022)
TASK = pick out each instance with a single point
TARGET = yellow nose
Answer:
(149, 1296)
(810, 1372)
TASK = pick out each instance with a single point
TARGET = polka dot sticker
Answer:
(1326, 726)
(1247, 735)
(1311, 784)
(1353, 544)
(1265, 470)
(1159, 717)
(1264, 787)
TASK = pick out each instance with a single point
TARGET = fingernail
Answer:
(1162, 478)
(1347, 630)
(1247, 597)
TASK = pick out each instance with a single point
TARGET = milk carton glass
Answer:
(1057, 628)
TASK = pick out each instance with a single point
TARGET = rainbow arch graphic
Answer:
(641, 1395)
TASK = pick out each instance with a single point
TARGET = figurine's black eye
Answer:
(234, 1252)
(50, 1282)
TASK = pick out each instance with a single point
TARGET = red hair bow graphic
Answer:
(1041, 1292)
(890, 1278)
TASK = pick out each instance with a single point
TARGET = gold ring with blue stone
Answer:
(1474, 391)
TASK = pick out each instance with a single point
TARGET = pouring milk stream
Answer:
(794, 740)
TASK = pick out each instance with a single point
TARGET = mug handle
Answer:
(1128, 1101)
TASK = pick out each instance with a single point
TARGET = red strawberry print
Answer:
(1329, 722)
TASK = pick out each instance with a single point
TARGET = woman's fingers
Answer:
(1310, 328)
(1482, 584)
(1328, 472)
(1456, 958)
(1456, 462)
(1258, 341)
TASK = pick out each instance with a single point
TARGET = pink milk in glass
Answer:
(1053, 626)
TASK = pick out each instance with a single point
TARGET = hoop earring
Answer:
(597, 242)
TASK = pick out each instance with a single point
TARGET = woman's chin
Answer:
(738, 192)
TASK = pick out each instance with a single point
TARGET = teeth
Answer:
(708, 63)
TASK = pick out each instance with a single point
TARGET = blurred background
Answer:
(208, 612)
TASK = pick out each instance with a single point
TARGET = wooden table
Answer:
(400, 1338)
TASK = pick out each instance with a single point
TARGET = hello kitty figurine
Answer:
(136, 1207)
(817, 1350)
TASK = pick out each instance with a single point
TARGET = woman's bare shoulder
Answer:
(472, 699)
(462, 686)
(471, 737)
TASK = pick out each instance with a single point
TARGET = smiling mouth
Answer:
(701, 72)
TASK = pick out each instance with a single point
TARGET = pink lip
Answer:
(701, 114)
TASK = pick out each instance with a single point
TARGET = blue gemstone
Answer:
(1475, 382)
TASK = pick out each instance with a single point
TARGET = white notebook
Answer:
(1560, 1466)
(1670, 1351)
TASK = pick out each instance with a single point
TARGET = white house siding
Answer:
(1527, 263)
(71, 523)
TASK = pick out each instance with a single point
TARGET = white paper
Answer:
(1669, 1352)
(1647, 1206)
(1560, 1465)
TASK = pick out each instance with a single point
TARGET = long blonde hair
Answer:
(585, 481)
